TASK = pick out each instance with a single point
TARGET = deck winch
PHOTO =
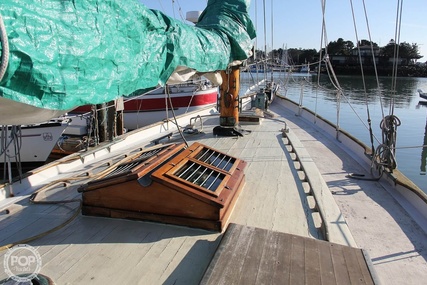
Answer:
(265, 96)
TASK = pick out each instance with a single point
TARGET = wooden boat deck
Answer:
(278, 196)
(249, 255)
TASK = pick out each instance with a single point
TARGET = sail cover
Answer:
(64, 54)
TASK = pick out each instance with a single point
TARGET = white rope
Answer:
(396, 51)
(373, 59)
(361, 68)
(359, 52)
(331, 73)
(179, 10)
(5, 49)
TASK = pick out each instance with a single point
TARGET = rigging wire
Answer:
(329, 68)
(173, 8)
(11, 138)
(179, 10)
(265, 42)
(396, 51)
(256, 41)
(376, 77)
(373, 58)
(361, 69)
(161, 5)
(174, 116)
(323, 38)
(384, 155)
(272, 40)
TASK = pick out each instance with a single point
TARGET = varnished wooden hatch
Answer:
(196, 186)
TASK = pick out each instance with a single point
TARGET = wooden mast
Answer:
(229, 100)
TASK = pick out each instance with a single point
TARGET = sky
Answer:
(298, 23)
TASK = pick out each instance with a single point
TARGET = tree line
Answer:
(408, 53)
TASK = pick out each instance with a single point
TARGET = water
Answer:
(353, 113)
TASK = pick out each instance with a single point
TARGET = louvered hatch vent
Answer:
(196, 186)
(200, 175)
(205, 169)
(127, 167)
(217, 159)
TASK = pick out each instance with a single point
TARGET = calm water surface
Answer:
(356, 103)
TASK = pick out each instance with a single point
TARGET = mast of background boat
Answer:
(265, 44)
(256, 42)
(272, 42)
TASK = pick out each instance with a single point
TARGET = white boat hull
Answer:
(34, 144)
(134, 120)
(151, 108)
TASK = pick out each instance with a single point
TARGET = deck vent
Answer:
(200, 175)
(127, 167)
(196, 186)
(216, 159)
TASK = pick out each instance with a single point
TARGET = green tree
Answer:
(340, 47)
(388, 51)
(293, 55)
(367, 43)
(260, 54)
(408, 52)
(308, 55)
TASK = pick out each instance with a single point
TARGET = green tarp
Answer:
(67, 53)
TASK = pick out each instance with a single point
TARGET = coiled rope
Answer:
(66, 182)
(384, 155)
(5, 49)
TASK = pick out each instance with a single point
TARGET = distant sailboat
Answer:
(422, 94)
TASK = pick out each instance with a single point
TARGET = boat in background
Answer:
(154, 106)
(259, 68)
(30, 143)
(305, 69)
(422, 94)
